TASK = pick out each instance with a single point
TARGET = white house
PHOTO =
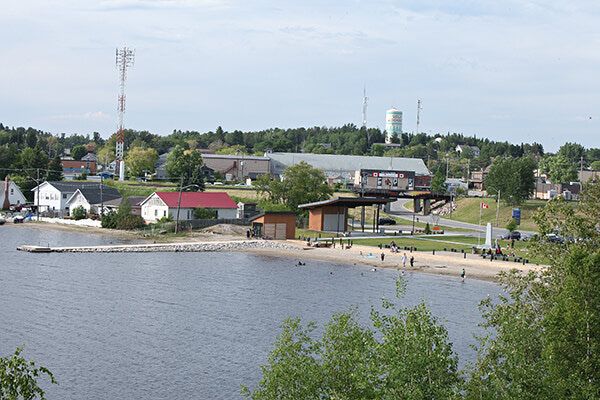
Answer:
(53, 196)
(165, 204)
(13, 193)
(475, 151)
(92, 199)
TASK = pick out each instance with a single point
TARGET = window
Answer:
(165, 213)
(155, 212)
(12, 191)
(64, 195)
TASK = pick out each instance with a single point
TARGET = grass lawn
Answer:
(467, 210)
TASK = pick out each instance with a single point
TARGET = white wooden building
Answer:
(164, 205)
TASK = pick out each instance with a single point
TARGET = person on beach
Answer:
(382, 256)
(404, 261)
(412, 261)
(462, 275)
(247, 233)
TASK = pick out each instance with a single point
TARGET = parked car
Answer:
(554, 238)
(387, 221)
(516, 235)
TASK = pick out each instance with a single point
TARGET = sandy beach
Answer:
(440, 263)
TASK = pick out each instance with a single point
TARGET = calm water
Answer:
(183, 325)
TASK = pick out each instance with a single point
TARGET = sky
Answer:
(514, 70)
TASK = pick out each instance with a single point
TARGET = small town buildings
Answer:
(135, 202)
(279, 225)
(165, 204)
(53, 195)
(73, 168)
(332, 215)
(475, 151)
(11, 195)
(455, 185)
(91, 198)
(237, 167)
(588, 175)
(247, 210)
(477, 179)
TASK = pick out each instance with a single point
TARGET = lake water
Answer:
(184, 325)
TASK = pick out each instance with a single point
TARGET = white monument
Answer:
(488, 236)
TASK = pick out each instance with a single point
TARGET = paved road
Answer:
(408, 215)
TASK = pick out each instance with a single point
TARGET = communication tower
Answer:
(125, 58)
(419, 108)
(364, 111)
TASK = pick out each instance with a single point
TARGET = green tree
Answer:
(55, 170)
(186, 166)
(559, 168)
(204, 213)
(77, 152)
(19, 378)
(512, 225)
(78, 213)
(572, 152)
(301, 183)
(595, 165)
(405, 353)
(513, 178)
(438, 182)
(141, 160)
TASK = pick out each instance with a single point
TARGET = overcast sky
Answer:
(515, 70)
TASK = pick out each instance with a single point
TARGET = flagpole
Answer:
(479, 230)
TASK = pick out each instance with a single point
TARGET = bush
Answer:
(427, 229)
(512, 225)
(122, 219)
(78, 213)
(204, 213)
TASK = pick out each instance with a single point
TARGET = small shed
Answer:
(332, 215)
(278, 225)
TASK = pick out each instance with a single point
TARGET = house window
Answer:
(12, 191)
(155, 212)
(164, 213)
(64, 195)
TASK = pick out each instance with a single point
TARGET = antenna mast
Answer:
(125, 58)
(364, 110)
(419, 108)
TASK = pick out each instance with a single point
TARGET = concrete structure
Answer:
(91, 199)
(336, 165)
(393, 124)
(53, 196)
(275, 225)
(11, 195)
(165, 204)
(332, 215)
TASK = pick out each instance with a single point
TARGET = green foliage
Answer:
(235, 149)
(187, 166)
(559, 168)
(595, 165)
(140, 160)
(438, 182)
(19, 378)
(512, 225)
(513, 177)
(404, 354)
(301, 184)
(78, 213)
(77, 152)
(427, 229)
(122, 219)
(204, 213)
(55, 170)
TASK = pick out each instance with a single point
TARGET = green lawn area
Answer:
(467, 210)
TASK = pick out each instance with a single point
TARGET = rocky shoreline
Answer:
(239, 245)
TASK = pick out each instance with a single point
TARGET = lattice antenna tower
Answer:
(364, 108)
(419, 108)
(125, 58)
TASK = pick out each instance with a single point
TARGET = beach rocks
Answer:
(178, 247)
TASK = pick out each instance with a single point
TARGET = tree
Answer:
(300, 184)
(141, 161)
(438, 182)
(559, 168)
(19, 378)
(78, 213)
(123, 218)
(512, 225)
(55, 170)
(77, 152)
(572, 152)
(404, 353)
(513, 178)
(106, 154)
(186, 166)
(595, 165)
(204, 213)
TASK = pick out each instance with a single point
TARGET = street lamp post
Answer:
(179, 203)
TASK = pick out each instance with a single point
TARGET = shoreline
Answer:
(442, 263)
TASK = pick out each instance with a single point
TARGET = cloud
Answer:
(90, 116)
(133, 5)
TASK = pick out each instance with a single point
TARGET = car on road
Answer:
(554, 238)
(387, 221)
(516, 235)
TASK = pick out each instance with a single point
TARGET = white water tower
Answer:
(393, 124)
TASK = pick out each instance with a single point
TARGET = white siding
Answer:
(15, 196)
(154, 209)
(227, 213)
(78, 200)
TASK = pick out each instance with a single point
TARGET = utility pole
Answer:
(498, 208)
(419, 108)
(101, 197)
(178, 206)
(38, 195)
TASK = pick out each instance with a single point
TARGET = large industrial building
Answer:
(393, 124)
(345, 166)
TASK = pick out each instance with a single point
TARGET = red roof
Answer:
(197, 199)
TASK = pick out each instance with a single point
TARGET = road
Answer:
(433, 220)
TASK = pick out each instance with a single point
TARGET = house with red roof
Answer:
(165, 204)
